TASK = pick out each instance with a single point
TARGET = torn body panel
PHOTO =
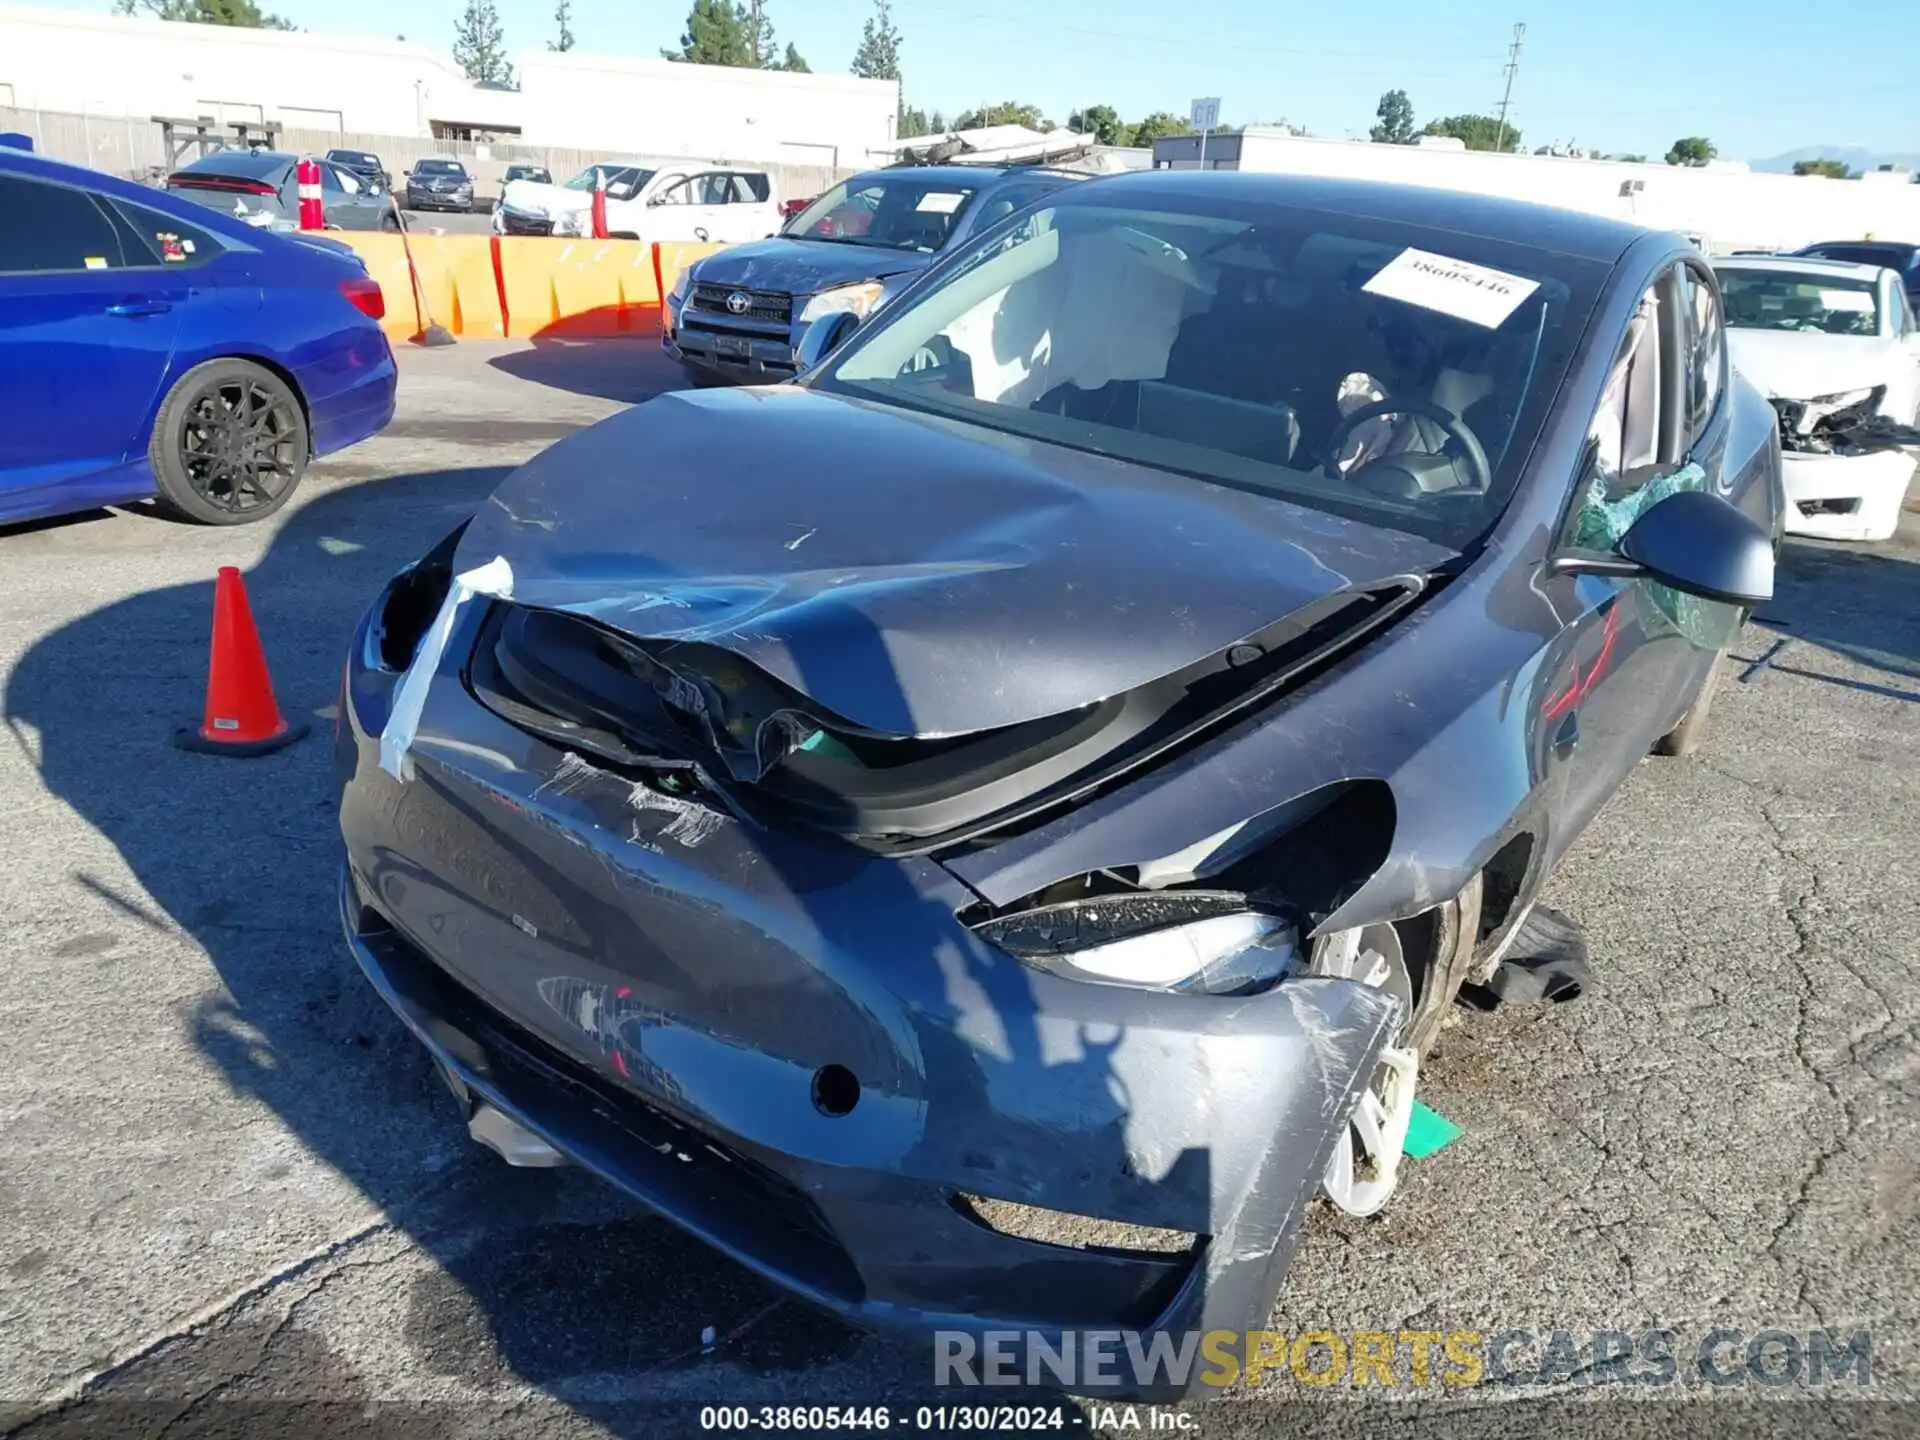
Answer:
(550, 942)
(1416, 723)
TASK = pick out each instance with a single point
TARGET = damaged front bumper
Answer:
(796, 1051)
(1845, 468)
(1846, 497)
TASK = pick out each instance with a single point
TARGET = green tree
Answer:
(1103, 122)
(1691, 150)
(1832, 169)
(563, 18)
(915, 123)
(244, 14)
(878, 57)
(719, 32)
(1476, 132)
(1630, 159)
(1007, 112)
(1158, 126)
(480, 45)
(767, 52)
(1396, 119)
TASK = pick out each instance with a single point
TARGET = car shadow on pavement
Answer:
(540, 1278)
(1859, 603)
(581, 366)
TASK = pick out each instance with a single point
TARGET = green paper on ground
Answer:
(1428, 1132)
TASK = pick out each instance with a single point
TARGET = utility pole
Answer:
(1513, 68)
(754, 36)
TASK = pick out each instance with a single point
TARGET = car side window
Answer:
(678, 193)
(1622, 454)
(1007, 199)
(1904, 323)
(46, 227)
(714, 188)
(751, 187)
(160, 240)
(1706, 350)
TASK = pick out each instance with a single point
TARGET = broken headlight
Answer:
(407, 605)
(1193, 942)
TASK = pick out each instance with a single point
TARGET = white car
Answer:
(1836, 347)
(647, 199)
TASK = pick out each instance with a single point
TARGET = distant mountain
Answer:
(1857, 157)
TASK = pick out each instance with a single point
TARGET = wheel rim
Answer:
(238, 444)
(1364, 1169)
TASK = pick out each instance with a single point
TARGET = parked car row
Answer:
(987, 832)
(644, 197)
(261, 188)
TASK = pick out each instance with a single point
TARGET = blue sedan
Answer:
(153, 347)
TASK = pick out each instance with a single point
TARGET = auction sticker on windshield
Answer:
(1465, 291)
(940, 202)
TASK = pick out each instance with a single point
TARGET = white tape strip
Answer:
(495, 579)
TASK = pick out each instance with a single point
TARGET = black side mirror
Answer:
(1703, 545)
(821, 338)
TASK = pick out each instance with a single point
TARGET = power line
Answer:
(1513, 69)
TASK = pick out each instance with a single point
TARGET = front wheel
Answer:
(1420, 963)
(1686, 737)
(229, 444)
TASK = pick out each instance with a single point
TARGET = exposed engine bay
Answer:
(702, 722)
(1847, 424)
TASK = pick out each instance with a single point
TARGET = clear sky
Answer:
(1755, 76)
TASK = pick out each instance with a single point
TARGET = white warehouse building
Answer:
(121, 68)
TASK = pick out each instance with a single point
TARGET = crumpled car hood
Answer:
(1789, 366)
(911, 575)
(804, 267)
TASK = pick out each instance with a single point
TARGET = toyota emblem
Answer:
(739, 302)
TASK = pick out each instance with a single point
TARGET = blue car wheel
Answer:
(229, 445)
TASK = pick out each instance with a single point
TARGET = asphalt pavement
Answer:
(450, 222)
(231, 1188)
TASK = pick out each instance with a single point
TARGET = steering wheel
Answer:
(1459, 437)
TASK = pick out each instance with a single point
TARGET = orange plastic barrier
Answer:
(386, 261)
(484, 286)
(604, 287)
(526, 282)
(578, 287)
(458, 284)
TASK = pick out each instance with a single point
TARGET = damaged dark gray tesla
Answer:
(985, 834)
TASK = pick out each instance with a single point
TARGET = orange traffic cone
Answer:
(242, 718)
